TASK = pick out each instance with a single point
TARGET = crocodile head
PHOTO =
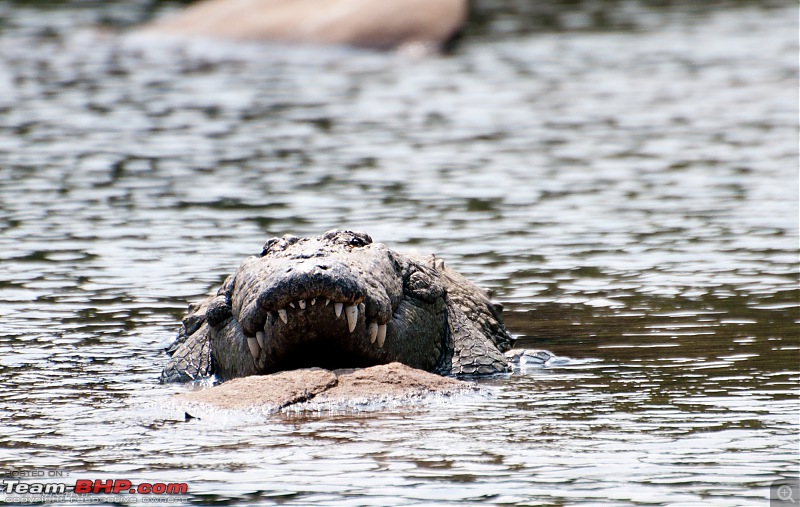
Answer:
(339, 301)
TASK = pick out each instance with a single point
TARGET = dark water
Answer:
(630, 195)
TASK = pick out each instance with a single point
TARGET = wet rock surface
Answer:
(378, 384)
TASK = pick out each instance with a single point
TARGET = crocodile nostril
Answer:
(323, 266)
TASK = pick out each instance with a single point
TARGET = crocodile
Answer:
(339, 300)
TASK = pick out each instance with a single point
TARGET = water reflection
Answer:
(624, 193)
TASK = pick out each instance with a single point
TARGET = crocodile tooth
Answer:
(313, 301)
(252, 344)
(327, 301)
(302, 304)
(260, 338)
(381, 335)
(352, 316)
(337, 307)
(373, 331)
(292, 305)
(283, 315)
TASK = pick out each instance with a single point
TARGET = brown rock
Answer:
(271, 393)
(394, 380)
(378, 24)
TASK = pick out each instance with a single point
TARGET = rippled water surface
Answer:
(630, 196)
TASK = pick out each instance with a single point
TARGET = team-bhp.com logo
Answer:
(124, 491)
(117, 486)
(88, 486)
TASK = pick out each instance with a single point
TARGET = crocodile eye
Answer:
(359, 239)
(275, 244)
(421, 285)
(348, 238)
(269, 245)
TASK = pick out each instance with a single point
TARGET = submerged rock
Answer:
(385, 25)
(299, 388)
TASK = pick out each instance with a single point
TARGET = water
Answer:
(630, 195)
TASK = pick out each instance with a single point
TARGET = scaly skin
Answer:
(339, 300)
